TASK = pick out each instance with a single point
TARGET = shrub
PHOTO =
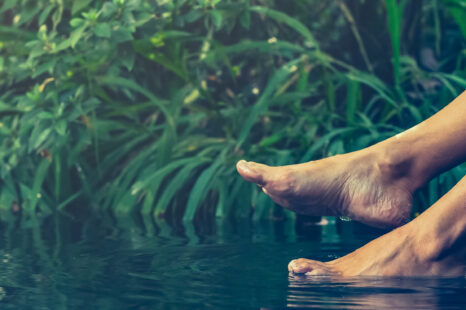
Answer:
(145, 106)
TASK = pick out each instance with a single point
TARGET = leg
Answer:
(432, 244)
(373, 185)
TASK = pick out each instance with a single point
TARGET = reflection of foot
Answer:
(432, 244)
(357, 185)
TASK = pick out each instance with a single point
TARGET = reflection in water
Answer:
(376, 293)
(138, 263)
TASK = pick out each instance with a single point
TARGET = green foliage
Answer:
(146, 106)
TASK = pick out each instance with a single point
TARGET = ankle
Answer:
(396, 162)
(441, 229)
(424, 247)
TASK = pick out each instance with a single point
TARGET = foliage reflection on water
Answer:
(104, 262)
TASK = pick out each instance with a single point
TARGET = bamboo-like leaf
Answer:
(291, 22)
(155, 178)
(394, 25)
(278, 48)
(457, 9)
(122, 82)
(352, 101)
(201, 188)
(41, 173)
(176, 184)
(264, 101)
(323, 141)
(376, 84)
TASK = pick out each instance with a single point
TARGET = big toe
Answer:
(308, 267)
(252, 172)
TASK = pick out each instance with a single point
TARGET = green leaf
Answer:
(8, 4)
(455, 78)
(28, 15)
(40, 139)
(76, 22)
(264, 101)
(217, 19)
(291, 22)
(60, 127)
(45, 67)
(39, 177)
(103, 30)
(201, 188)
(394, 26)
(375, 83)
(458, 11)
(176, 184)
(76, 36)
(245, 20)
(119, 81)
(352, 100)
(263, 207)
(70, 199)
(271, 140)
(44, 115)
(45, 13)
(79, 5)
(434, 194)
(279, 48)
(127, 59)
(109, 9)
(157, 177)
(192, 16)
(323, 141)
(121, 34)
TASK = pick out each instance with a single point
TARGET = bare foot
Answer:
(431, 245)
(363, 185)
(391, 255)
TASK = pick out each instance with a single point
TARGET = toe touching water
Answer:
(423, 247)
(375, 186)
(431, 245)
(104, 262)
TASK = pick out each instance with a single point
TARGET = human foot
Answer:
(390, 255)
(433, 244)
(365, 186)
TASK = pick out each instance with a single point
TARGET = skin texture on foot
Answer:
(433, 244)
(373, 185)
(387, 256)
(352, 185)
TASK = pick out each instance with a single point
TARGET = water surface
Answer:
(134, 263)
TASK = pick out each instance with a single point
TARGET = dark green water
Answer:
(131, 263)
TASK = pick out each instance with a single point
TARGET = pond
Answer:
(131, 262)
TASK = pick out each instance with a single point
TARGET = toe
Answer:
(300, 265)
(308, 267)
(252, 172)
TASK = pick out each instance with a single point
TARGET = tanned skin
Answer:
(433, 244)
(375, 186)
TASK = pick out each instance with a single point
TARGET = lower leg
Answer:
(432, 244)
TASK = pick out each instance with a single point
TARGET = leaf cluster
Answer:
(146, 106)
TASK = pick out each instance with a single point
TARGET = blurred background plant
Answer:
(145, 106)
